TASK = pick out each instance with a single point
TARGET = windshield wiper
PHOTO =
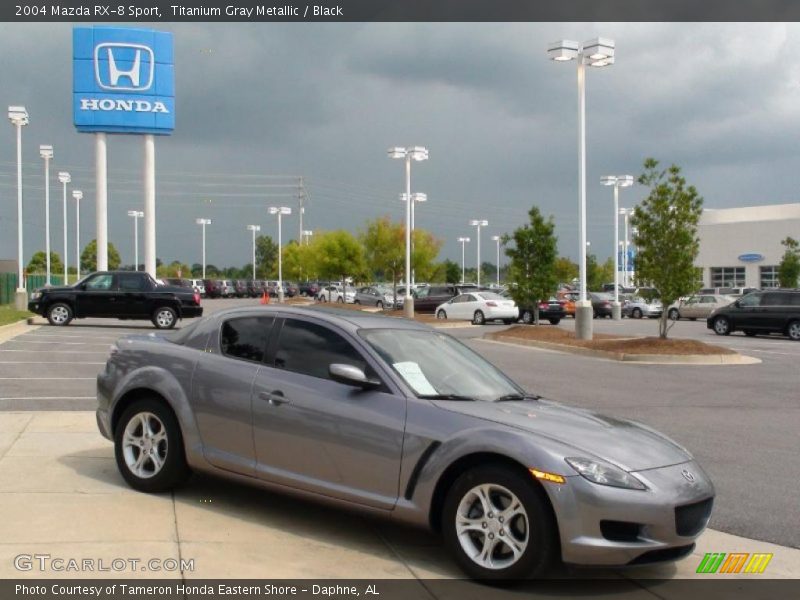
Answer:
(509, 397)
(446, 397)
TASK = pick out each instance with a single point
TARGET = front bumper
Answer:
(602, 525)
(36, 307)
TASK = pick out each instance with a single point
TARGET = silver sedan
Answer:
(392, 418)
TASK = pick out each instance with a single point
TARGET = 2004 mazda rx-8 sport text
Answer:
(394, 418)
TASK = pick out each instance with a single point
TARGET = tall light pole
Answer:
(136, 214)
(464, 241)
(254, 229)
(617, 181)
(280, 211)
(203, 222)
(64, 178)
(625, 212)
(46, 152)
(595, 53)
(307, 233)
(415, 197)
(477, 224)
(496, 238)
(78, 195)
(19, 118)
(632, 267)
(418, 153)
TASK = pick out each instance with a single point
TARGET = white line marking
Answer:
(52, 398)
(56, 351)
(63, 343)
(49, 362)
(47, 378)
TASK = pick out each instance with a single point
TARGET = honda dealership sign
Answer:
(123, 80)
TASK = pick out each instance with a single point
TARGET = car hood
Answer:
(56, 288)
(629, 445)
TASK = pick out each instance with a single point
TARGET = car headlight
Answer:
(605, 474)
(36, 295)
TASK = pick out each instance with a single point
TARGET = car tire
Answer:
(164, 317)
(441, 315)
(527, 317)
(636, 313)
(340, 300)
(793, 331)
(356, 302)
(532, 529)
(379, 304)
(555, 321)
(594, 314)
(478, 318)
(674, 315)
(59, 314)
(152, 460)
(750, 332)
(509, 321)
(722, 326)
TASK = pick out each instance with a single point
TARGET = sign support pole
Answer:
(101, 200)
(150, 204)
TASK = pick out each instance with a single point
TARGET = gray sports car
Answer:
(397, 419)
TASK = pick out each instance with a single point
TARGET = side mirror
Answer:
(737, 304)
(350, 375)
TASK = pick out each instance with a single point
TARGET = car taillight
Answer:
(543, 305)
(491, 304)
(196, 298)
(606, 304)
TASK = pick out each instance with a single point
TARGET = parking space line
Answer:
(56, 351)
(65, 343)
(51, 398)
(49, 362)
(47, 378)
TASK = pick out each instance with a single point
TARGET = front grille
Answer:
(620, 531)
(691, 518)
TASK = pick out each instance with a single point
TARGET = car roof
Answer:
(348, 319)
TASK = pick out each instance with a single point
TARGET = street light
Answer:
(46, 152)
(415, 197)
(625, 212)
(307, 233)
(19, 118)
(598, 52)
(477, 224)
(136, 214)
(78, 195)
(280, 211)
(464, 241)
(418, 153)
(496, 238)
(617, 181)
(65, 178)
(254, 229)
(203, 223)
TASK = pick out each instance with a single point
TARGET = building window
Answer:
(727, 277)
(769, 277)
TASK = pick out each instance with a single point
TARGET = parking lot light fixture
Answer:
(417, 153)
(203, 222)
(415, 198)
(617, 181)
(598, 52)
(78, 195)
(255, 229)
(280, 211)
(64, 178)
(464, 241)
(19, 118)
(496, 238)
(46, 152)
(136, 214)
(477, 224)
(625, 212)
(307, 233)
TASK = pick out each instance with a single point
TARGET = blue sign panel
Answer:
(123, 80)
(631, 260)
(751, 257)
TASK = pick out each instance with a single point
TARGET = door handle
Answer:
(275, 398)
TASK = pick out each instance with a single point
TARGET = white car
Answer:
(199, 286)
(479, 307)
(227, 289)
(335, 293)
(698, 306)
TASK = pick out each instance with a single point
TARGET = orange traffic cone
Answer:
(265, 298)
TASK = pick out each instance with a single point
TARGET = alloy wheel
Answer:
(527, 317)
(794, 331)
(59, 315)
(165, 318)
(721, 326)
(144, 445)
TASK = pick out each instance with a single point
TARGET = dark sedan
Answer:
(601, 304)
(117, 295)
(549, 310)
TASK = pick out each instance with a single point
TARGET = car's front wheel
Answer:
(637, 313)
(165, 317)
(674, 315)
(722, 326)
(478, 318)
(59, 314)
(148, 447)
(441, 315)
(379, 304)
(498, 524)
(527, 317)
(555, 321)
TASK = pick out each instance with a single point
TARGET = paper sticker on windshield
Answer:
(415, 377)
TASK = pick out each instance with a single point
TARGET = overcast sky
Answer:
(325, 101)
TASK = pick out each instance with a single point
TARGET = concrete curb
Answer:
(14, 329)
(650, 359)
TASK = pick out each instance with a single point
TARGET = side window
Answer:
(776, 300)
(100, 283)
(131, 283)
(245, 338)
(750, 300)
(310, 349)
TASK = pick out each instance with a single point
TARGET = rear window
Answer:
(193, 335)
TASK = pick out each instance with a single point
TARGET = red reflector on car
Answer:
(196, 298)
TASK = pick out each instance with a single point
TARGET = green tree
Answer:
(789, 268)
(384, 249)
(666, 237)
(565, 269)
(175, 269)
(533, 256)
(452, 272)
(338, 255)
(38, 263)
(597, 274)
(89, 257)
(266, 257)
(298, 261)
(425, 250)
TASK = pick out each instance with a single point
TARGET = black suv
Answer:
(773, 311)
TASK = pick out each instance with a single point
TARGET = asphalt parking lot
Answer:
(740, 422)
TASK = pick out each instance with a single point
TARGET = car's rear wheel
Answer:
(165, 317)
(340, 300)
(379, 304)
(148, 447)
(722, 326)
(498, 524)
(478, 318)
(637, 313)
(441, 315)
(673, 314)
(356, 301)
(527, 317)
(59, 314)
(793, 331)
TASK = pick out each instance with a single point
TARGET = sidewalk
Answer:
(61, 494)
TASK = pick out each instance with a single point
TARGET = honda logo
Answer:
(687, 475)
(124, 67)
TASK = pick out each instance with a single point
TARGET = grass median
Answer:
(9, 315)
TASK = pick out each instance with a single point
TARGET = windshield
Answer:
(435, 366)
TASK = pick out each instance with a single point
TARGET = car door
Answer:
(748, 313)
(132, 294)
(97, 297)
(222, 391)
(319, 435)
(775, 308)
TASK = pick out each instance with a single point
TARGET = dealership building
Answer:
(741, 247)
